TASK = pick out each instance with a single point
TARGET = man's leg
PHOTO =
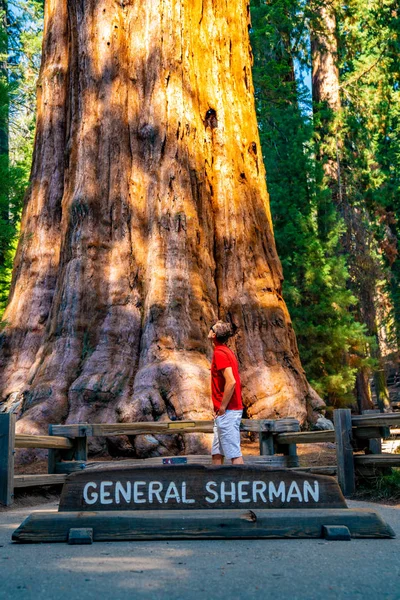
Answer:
(216, 451)
(229, 435)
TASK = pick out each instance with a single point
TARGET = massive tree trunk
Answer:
(147, 218)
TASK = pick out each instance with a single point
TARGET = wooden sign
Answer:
(193, 487)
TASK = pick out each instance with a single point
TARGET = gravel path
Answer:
(213, 570)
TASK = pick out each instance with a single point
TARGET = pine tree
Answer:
(20, 48)
(370, 77)
(307, 226)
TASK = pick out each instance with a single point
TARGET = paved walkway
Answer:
(213, 570)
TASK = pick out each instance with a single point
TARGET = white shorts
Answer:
(227, 434)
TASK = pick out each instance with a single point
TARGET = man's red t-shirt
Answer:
(224, 357)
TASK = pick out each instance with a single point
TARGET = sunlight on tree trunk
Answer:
(146, 220)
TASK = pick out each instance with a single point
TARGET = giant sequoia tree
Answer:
(147, 218)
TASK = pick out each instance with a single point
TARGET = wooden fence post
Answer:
(287, 450)
(266, 443)
(53, 456)
(81, 443)
(375, 444)
(7, 445)
(78, 453)
(344, 450)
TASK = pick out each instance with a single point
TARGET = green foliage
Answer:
(382, 487)
(369, 61)
(307, 226)
(20, 48)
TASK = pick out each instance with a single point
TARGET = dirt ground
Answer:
(310, 455)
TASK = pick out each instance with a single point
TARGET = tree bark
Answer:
(146, 220)
(363, 391)
(326, 92)
(368, 308)
(324, 49)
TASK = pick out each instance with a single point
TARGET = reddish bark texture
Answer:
(146, 220)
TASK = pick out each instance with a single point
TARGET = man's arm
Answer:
(229, 388)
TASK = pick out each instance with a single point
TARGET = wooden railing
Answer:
(67, 445)
(9, 441)
(352, 434)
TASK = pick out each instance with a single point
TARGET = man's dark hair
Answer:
(223, 331)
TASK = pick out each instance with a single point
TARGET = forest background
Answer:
(327, 92)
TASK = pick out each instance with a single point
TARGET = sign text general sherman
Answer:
(186, 487)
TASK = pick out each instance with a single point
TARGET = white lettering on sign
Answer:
(314, 493)
(294, 492)
(184, 499)
(226, 492)
(273, 492)
(172, 492)
(94, 495)
(121, 491)
(242, 494)
(259, 488)
(155, 487)
(138, 496)
(210, 491)
(105, 497)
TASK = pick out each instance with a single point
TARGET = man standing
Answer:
(226, 396)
